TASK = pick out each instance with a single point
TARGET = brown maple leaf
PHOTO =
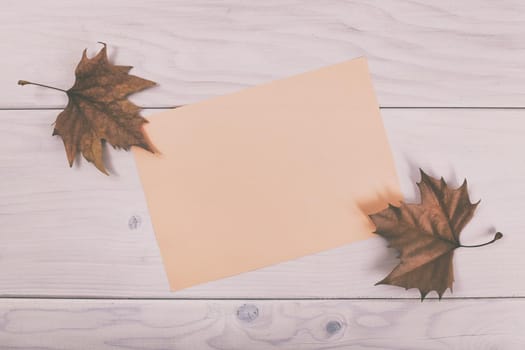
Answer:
(426, 235)
(98, 110)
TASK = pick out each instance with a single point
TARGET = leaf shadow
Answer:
(113, 53)
(80, 161)
(386, 259)
(106, 158)
(448, 173)
(377, 202)
(415, 176)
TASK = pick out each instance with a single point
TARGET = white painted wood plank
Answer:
(421, 53)
(202, 325)
(65, 231)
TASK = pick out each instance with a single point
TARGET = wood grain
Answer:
(261, 325)
(421, 53)
(75, 232)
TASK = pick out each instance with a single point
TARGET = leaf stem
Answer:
(497, 236)
(25, 82)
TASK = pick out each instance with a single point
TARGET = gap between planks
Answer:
(381, 107)
(62, 297)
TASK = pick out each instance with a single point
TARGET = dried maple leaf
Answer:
(426, 235)
(98, 110)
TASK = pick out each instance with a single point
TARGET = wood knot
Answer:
(134, 222)
(247, 312)
(333, 327)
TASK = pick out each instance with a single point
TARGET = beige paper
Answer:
(267, 174)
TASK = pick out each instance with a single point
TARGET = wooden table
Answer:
(79, 265)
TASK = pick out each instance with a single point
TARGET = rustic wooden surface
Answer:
(291, 325)
(421, 53)
(80, 268)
